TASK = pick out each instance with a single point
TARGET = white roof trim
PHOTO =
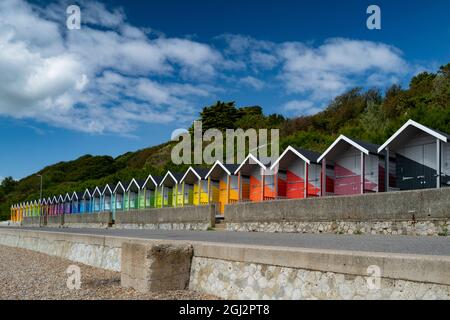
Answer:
(119, 183)
(221, 165)
(135, 182)
(348, 140)
(289, 148)
(67, 196)
(87, 191)
(250, 156)
(187, 171)
(96, 189)
(168, 173)
(146, 181)
(106, 187)
(74, 195)
(61, 198)
(419, 126)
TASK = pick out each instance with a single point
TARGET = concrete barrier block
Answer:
(155, 267)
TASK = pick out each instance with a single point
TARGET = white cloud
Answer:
(111, 76)
(319, 73)
(107, 77)
(252, 82)
(337, 65)
(300, 107)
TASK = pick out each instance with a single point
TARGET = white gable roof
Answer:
(250, 157)
(346, 139)
(417, 125)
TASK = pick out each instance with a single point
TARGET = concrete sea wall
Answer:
(258, 272)
(91, 220)
(418, 212)
(180, 218)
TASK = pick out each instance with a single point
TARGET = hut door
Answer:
(416, 167)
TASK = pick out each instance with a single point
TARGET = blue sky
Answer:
(137, 70)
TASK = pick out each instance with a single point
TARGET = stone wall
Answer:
(88, 220)
(417, 212)
(31, 221)
(418, 228)
(56, 221)
(240, 280)
(181, 218)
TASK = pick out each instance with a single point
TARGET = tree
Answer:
(8, 185)
(221, 115)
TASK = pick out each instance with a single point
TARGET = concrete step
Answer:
(220, 224)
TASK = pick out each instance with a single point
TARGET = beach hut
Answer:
(53, 205)
(60, 204)
(421, 156)
(298, 173)
(86, 201)
(13, 213)
(170, 188)
(133, 194)
(36, 208)
(107, 198)
(49, 206)
(149, 192)
(18, 213)
(194, 187)
(119, 196)
(222, 185)
(67, 203)
(356, 167)
(96, 198)
(76, 202)
(30, 208)
(44, 205)
(24, 210)
(255, 180)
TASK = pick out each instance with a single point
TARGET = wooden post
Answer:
(199, 191)
(438, 163)
(386, 171)
(239, 186)
(305, 180)
(263, 182)
(176, 195)
(362, 172)
(162, 196)
(323, 182)
(145, 197)
(228, 188)
(275, 184)
(209, 190)
(182, 194)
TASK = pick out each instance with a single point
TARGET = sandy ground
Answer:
(26, 274)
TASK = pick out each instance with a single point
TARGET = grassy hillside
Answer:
(370, 115)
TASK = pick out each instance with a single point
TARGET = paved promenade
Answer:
(395, 244)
